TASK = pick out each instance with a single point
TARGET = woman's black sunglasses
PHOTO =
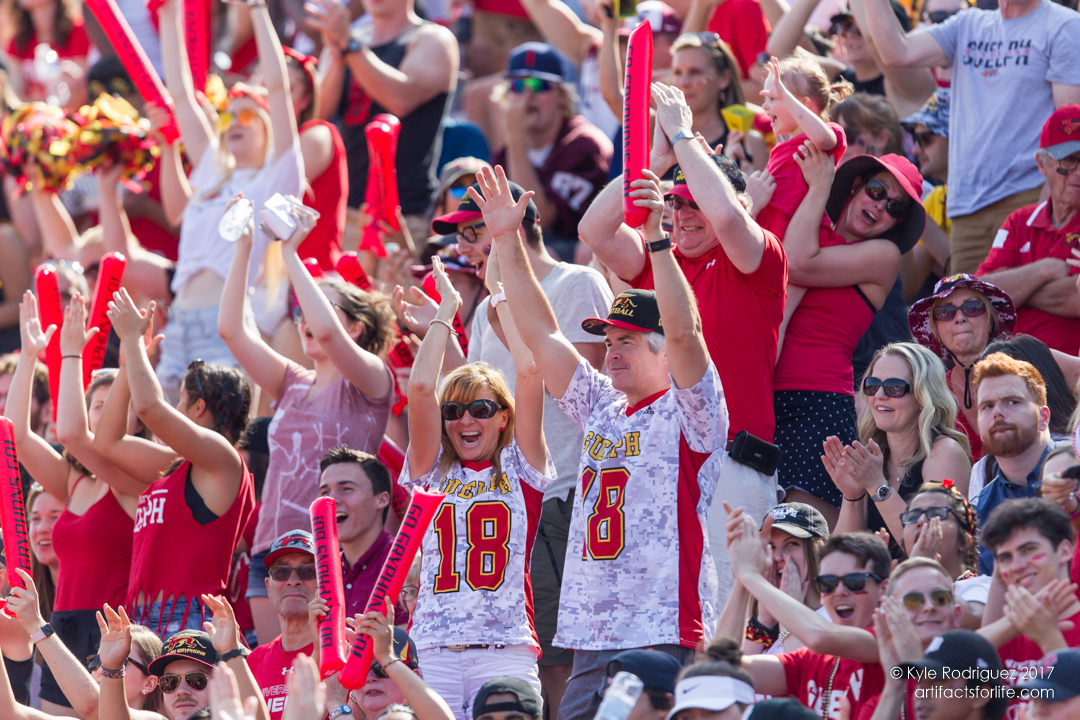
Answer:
(877, 191)
(479, 409)
(970, 308)
(855, 582)
(937, 512)
(94, 662)
(894, 387)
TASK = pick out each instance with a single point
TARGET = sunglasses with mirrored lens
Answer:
(970, 308)
(171, 683)
(306, 573)
(916, 600)
(479, 409)
(244, 117)
(855, 582)
(938, 16)
(937, 512)
(677, 202)
(457, 192)
(532, 84)
(876, 191)
(894, 387)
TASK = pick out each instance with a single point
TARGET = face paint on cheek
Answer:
(861, 592)
(1038, 557)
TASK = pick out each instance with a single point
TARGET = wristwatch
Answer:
(345, 709)
(353, 46)
(883, 493)
(43, 632)
(235, 653)
(662, 244)
(683, 134)
(498, 298)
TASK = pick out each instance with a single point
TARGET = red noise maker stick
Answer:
(133, 58)
(12, 511)
(350, 269)
(314, 269)
(198, 50)
(328, 569)
(396, 568)
(47, 289)
(109, 275)
(636, 118)
(381, 193)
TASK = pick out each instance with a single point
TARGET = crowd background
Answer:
(808, 431)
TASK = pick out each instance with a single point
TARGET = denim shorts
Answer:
(190, 335)
(171, 616)
(257, 574)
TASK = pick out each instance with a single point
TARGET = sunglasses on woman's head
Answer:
(938, 16)
(894, 387)
(970, 308)
(170, 683)
(916, 600)
(677, 202)
(532, 84)
(306, 573)
(479, 409)
(877, 191)
(855, 582)
(244, 117)
(937, 512)
(94, 662)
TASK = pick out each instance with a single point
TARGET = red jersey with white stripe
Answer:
(474, 576)
(638, 567)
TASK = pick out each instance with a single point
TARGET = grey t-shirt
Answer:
(575, 293)
(1002, 95)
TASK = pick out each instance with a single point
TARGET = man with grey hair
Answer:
(1030, 252)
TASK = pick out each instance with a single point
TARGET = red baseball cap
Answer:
(1061, 134)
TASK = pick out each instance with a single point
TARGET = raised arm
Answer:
(790, 30)
(699, 14)
(262, 364)
(817, 131)
(44, 463)
(915, 49)
(907, 88)
(561, 27)
(554, 354)
(145, 271)
(9, 708)
(57, 228)
(225, 636)
(743, 241)
(275, 77)
(611, 87)
(113, 651)
(195, 130)
(175, 188)
(614, 243)
(363, 369)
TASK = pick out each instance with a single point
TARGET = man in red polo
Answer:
(1028, 257)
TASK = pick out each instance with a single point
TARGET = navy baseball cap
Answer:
(294, 541)
(656, 669)
(528, 700)
(1059, 672)
(538, 60)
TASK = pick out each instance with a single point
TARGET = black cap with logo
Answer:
(186, 645)
(800, 520)
(960, 650)
(633, 310)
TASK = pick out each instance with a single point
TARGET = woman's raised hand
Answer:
(502, 214)
(34, 339)
(73, 334)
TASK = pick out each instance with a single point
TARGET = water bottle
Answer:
(620, 697)
(234, 223)
(47, 70)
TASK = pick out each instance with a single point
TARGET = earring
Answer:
(502, 428)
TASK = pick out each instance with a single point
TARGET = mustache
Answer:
(1003, 426)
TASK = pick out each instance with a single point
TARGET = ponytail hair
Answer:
(226, 393)
(801, 72)
(723, 658)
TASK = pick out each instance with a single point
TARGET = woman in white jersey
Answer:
(470, 440)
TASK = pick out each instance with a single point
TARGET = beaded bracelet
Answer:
(758, 632)
(112, 674)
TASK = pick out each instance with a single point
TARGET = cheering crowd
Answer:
(783, 426)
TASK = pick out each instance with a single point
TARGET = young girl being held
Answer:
(798, 98)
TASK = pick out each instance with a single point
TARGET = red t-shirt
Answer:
(741, 24)
(328, 194)
(808, 675)
(791, 187)
(271, 667)
(1029, 235)
(868, 708)
(740, 316)
(77, 46)
(502, 7)
(1020, 653)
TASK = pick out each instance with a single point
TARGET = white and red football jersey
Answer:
(474, 576)
(638, 567)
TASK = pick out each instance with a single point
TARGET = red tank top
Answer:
(329, 195)
(94, 550)
(963, 426)
(173, 554)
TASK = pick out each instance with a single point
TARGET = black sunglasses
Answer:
(970, 308)
(924, 138)
(938, 16)
(479, 409)
(678, 202)
(306, 573)
(916, 600)
(937, 512)
(855, 582)
(94, 662)
(894, 387)
(170, 683)
(844, 27)
(877, 191)
(470, 234)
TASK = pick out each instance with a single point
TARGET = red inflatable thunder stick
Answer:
(636, 118)
(351, 271)
(381, 194)
(198, 49)
(109, 275)
(12, 511)
(396, 568)
(328, 569)
(133, 58)
(314, 268)
(47, 290)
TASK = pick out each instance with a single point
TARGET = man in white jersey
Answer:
(638, 568)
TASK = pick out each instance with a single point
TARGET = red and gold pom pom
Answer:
(37, 147)
(111, 132)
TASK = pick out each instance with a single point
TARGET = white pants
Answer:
(457, 675)
(743, 487)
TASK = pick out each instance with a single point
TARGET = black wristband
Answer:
(68, 357)
(662, 244)
(235, 653)
(856, 499)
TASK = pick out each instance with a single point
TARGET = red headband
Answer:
(238, 91)
(300, 57)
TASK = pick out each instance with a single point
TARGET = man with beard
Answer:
(1014, 425)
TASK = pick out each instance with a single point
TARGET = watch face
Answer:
(884, 492)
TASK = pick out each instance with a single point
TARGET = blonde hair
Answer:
(803, 74)
(464, 384)
(722, 59)
(937, 416)
(914, 564)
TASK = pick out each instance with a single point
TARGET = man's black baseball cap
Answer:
(961, 650)
(528, 700)
(781, 709)
(801, 520)
(468, 210)
(656, 669)
(727, 166)
(1058, 672)
(633, 310)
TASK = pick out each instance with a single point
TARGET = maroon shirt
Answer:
(360, 579)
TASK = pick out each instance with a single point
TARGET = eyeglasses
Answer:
(195, 371)
(94, 662)
(938, 16)
(1067, 165)
(532, 84)
(923, 139)
(855, 582)
(298, 313)
(410, 592)
(479, 409)
(937, 512)
(377, 670)
(244, 117)
(970, 308)
(894, 387)
(306, 573)
(457, 192)
(677, 202)
(917, 600)
(171, 683)
(470, 234)
(877, 191)
(846, 26)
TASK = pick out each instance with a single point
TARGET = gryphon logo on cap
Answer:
(623, 305)
(680, 178)
(186, 643)
(781, 513)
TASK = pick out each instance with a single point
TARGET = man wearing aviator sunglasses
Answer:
(184, 668)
